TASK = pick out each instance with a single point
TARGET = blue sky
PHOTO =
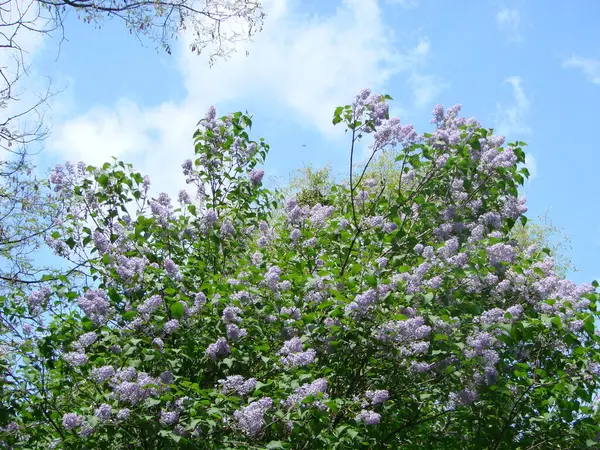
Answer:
(530, 69)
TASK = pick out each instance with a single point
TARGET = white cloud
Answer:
(426, 88)
(531, 164)
(509, 22)
(589, 66)
(301, 65)
(407, 4)
(510, 119)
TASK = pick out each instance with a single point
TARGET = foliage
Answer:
(406, 321)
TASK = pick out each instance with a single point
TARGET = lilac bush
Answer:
(392, 315)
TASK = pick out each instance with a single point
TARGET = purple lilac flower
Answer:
(161, 208)
(227, 229)
(149, 306)
(199, 302)
(401, 331)
(102, 242)
(159, 343)
(236, 383)
(362, 302)
(184, 197)
(169, 417)
(250, 419)
(257, 258)
(171, 326)
(319, 214)
(272, 277)
(95, 305)
(103, 412)
(72, 420)
(465, 397)
(499, 253)
(123, 414)
(377, 397)
(217, 349)
(235, 333)
(231, 314)
(310, 243)
(295, 235)
(85, 340)
(171, 268)
(292, 311)
(368, 417)
(293, 354)
(37, 298)
(130, 268)
(256, 176)
(75, 359)
(101, 374)
(306, 390)
(210, 219)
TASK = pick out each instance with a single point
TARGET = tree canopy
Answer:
(370, 320)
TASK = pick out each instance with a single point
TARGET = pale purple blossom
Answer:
(250, 419)
(95, 305)
(171, 326)
(72, 420)
(218, 349)
(103, 412)
(368, 417)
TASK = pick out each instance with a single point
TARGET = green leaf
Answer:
(177, 310)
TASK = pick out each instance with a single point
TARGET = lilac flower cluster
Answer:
(498, 315)
(71, 421)
(149, 306)
(75, 359)
(250, 419)
(231, 314)
(256, 176)
(169, 417)
(218, 349)
(172, 269)
(134, 387)
(102, 242)
(235, 333)
(171, 326)
(85, 340)
(130, 268)
(272, 278)
(237, 383)
(103, 412)
(362, 303)
(162, 209)
(292, 354)
(315, 388)
(378, 396)
(402, 331)
(38, 298)
(499, 253)
(368, 417)
(96, 306)
(102, 374)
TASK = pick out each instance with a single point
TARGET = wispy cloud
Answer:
(509, 23)
(407, 4)
(510, 119)
(426, 88)
(302, 66)
(589, 66)
(531, 164)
